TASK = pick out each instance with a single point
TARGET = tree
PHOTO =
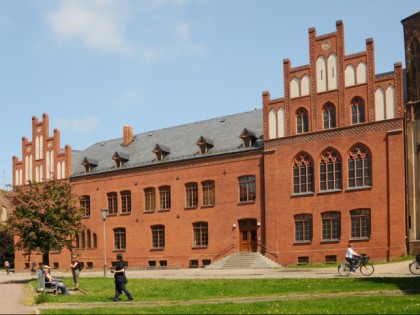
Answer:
(45, 217)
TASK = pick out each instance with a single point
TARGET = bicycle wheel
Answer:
(414, 268)
(367, 269)
(344, 270)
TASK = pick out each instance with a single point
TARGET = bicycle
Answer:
(365, 267)
(414, 266)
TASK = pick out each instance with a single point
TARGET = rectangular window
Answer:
(158, 237)
(247, 189)
(119, 239)
(201, 234)
(360, 224)
(150, 200)
(85, 204)
(331, 226)
(303, 228)
(192, 195)
(208, 193)
(165, 197)
(126, 201)
(112, 203)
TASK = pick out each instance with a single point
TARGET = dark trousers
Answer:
(120, 287)
(352, 262)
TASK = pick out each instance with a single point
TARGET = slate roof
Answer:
(180, 141)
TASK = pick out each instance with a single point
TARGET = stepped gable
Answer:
(182, 140)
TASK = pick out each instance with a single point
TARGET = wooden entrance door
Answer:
(248, 235)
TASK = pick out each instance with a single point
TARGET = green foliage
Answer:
(45, 216)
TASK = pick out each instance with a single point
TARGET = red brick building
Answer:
(297, 180)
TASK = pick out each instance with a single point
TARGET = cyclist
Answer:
(352, 257)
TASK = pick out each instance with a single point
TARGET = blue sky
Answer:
(96, 65)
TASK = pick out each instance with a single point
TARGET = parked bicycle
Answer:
(363, 264)
(414, 266)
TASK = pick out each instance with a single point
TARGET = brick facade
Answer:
(267, 222)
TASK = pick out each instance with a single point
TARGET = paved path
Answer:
(13, 288)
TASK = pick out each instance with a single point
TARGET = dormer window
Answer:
(89, 164)
(248, 138)
(161, 151)
(120, 158)
(204, 145)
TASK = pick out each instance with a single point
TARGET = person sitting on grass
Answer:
(49, 279)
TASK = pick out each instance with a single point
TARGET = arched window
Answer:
(349, 75)
(119, 239)
(294, 87)
(95, 240)
(330, 170)
(281, 122)
(272, 124)
(112, 203)
(357, 110)
(89, 241)
(201, 234)
(302, 123)
(359, 167)
(303, 174)
(305, 85)
(83, 240)
(321, 74)
(158, 236)
(332, 72)
(361, 73)
(208, 188)
(329, 116)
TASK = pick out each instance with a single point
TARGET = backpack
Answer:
(80, 266)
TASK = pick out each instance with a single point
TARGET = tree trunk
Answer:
(46, 259)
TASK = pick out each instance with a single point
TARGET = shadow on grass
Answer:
(407, 285)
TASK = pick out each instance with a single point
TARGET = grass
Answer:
(349, 305)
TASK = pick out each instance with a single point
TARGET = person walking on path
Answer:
(7, 266)
(33, 268)
(120, 280)
(75, 270)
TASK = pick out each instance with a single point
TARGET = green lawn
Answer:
(200, 290)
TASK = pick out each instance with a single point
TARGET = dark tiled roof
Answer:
(224, 132)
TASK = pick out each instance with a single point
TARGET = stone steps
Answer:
(244, 261)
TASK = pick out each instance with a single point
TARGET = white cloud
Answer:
(80, 125)
(99, 24)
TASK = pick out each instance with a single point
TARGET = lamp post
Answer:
(104, 214)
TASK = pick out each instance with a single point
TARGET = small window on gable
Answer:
(89, 164)
(161, 151)
(204, 145)
(120, 158)
(248, 138)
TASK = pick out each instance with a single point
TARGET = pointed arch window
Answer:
(359, 167)
(329, 116)
(303, 174)
(330, 171)
(302, 122)
(357, 110)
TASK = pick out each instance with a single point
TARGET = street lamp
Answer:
(104, 214)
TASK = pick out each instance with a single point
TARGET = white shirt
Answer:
(350, 252)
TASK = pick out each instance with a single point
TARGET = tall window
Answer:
(112, 203)
(85, 204)
(303, 227)
(330, 170)
(303, 174)
(359, 166)
(149, 199)
(329, 116)
(302, 120)
(331, 226)
(357, 110)
(208, 193)
(158, 236)
(201, 234)
(192, 195)
(165, 197)
(83, 240)
(126, 201)
(360, 223)
(247, 189)
(95, 240)
(119, 239)
(89, 240)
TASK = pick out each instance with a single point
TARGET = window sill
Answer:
(358, 188)
(331, 191)
(330, 241)
(207, 206)
(125, 213)
(311, 193)
(149, 211)
(111, 215)
(200, 247)
(360, 239)
(164, 210)
(155, 249)
(246, 202)
(190, 208)
(302, 242)
(118, 250)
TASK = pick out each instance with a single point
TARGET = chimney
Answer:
(128, 135)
